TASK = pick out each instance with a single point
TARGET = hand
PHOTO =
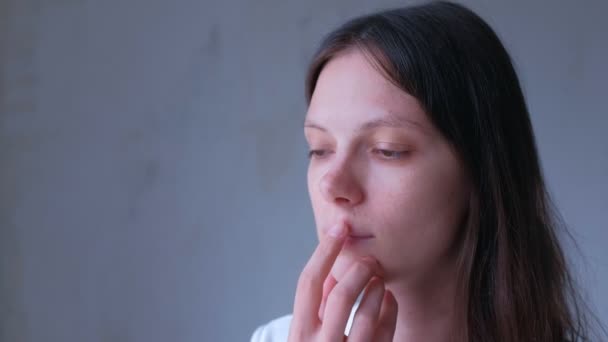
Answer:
(322, 304)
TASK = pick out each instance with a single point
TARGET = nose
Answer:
(341, 186)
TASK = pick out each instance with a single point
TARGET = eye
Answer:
(389, 154)
(317, 153)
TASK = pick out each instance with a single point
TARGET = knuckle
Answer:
(303, 280)
(307, 280)
(362, 268)
(341, 296)
(341, 292)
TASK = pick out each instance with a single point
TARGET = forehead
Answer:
(350, 88)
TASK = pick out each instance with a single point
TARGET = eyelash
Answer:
(315, 153)
(383, 153)
(394, 154)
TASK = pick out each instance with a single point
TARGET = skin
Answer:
(384, 175)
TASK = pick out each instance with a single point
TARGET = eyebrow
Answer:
(390, 120)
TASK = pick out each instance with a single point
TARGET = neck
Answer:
(428, 308)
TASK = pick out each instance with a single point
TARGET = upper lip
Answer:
(356, 234)
(353, 232)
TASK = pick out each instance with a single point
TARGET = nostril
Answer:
(342, 200)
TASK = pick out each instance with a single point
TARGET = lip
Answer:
(360, 236)
(353, 233)
(357, 241)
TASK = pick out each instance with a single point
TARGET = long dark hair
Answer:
(514, 274)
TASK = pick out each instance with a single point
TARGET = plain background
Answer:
(152, 161)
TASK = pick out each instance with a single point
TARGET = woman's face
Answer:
(378, 164)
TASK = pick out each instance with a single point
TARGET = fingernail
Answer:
(337, 230)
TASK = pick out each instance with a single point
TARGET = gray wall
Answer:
(152, 164)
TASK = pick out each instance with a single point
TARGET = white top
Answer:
(278, 330)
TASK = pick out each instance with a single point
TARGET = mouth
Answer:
(354, 235)
(360, 236)
(357, 240)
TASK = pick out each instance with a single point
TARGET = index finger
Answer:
(310, 284)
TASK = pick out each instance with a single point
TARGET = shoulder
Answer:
(276, 330)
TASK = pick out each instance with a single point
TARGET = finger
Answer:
(366, 318)
(310, 284)
(385, 330)
(328, 285)
(341, 299)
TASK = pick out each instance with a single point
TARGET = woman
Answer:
(426, 190)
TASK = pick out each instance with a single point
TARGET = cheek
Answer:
(418, 217)
(422, 202)
(432, 188)
(316, 200)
